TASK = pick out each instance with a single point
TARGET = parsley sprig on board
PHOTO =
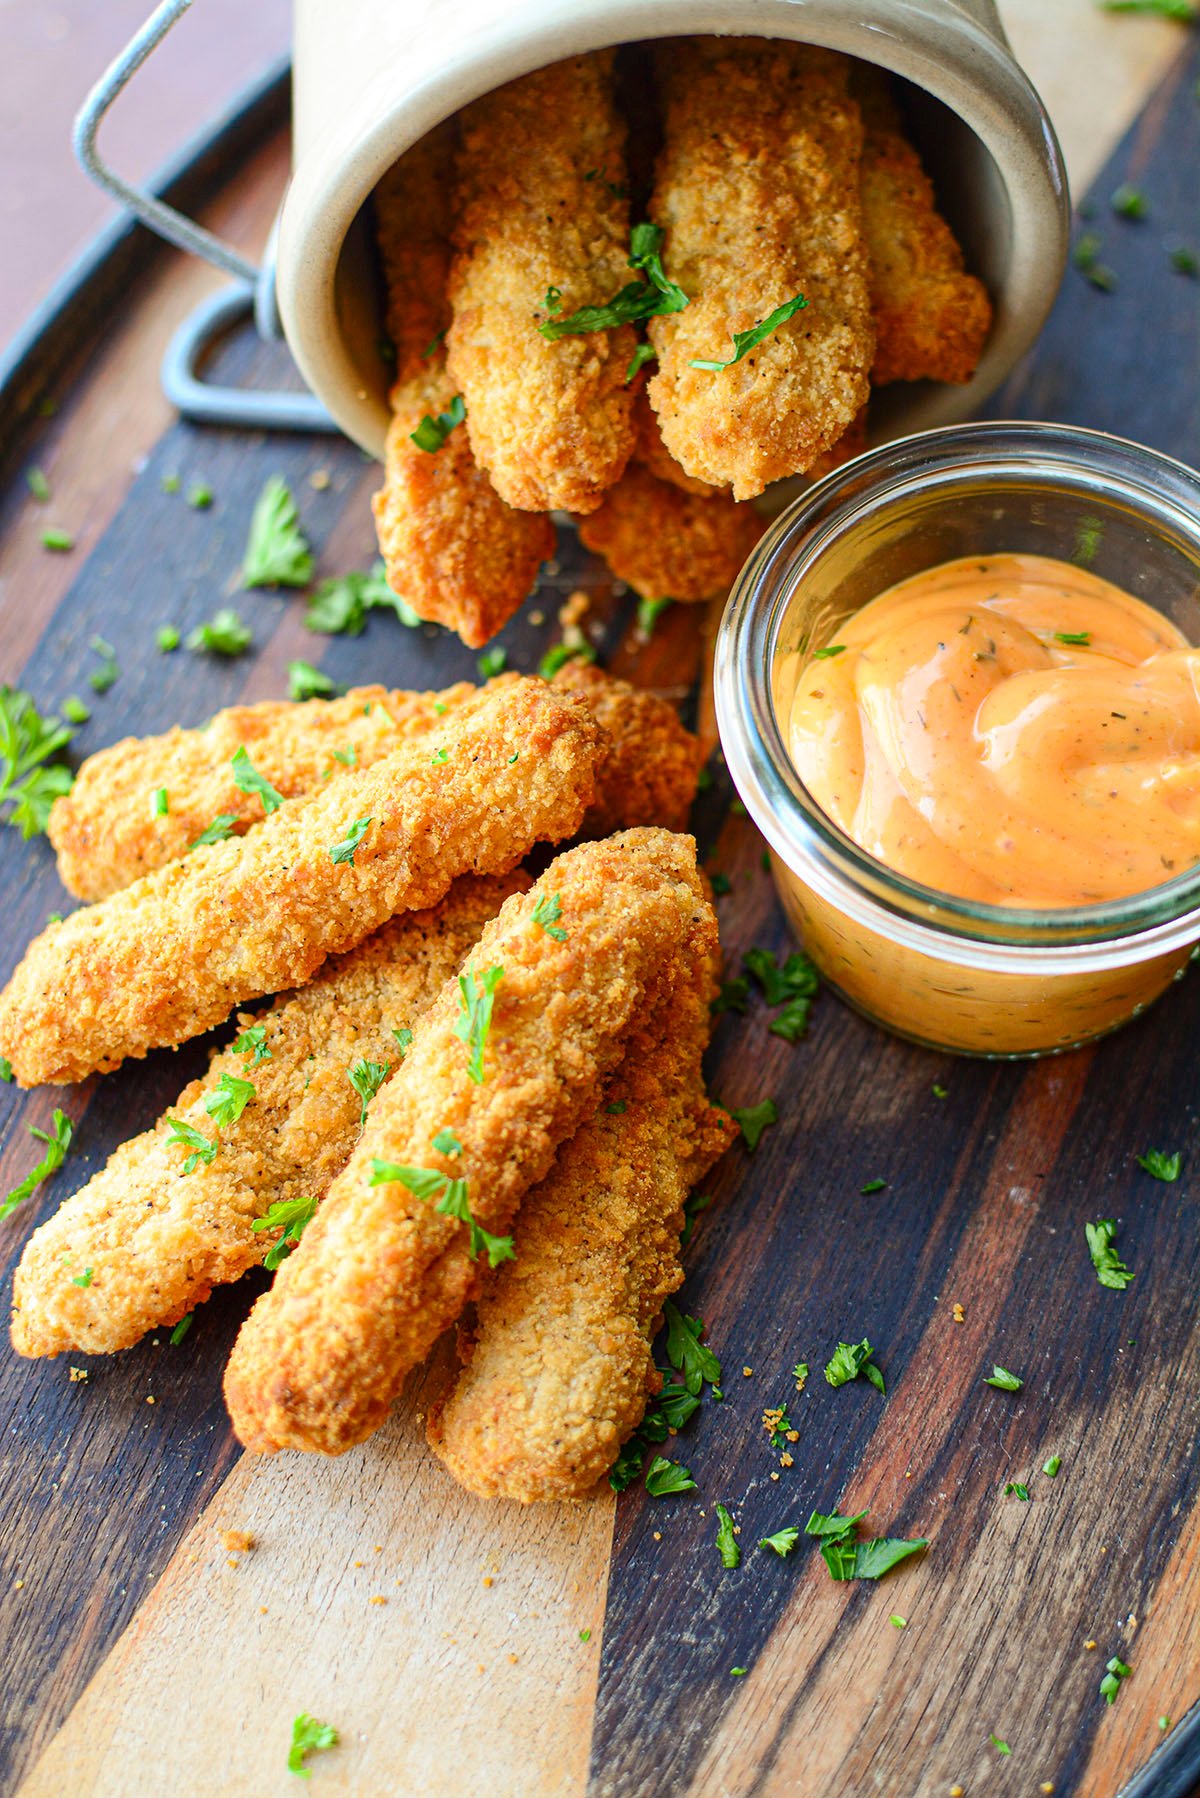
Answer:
(852, 1360)
(308, 1736)
(339, 606)
(57, 1140)
(1111, 1271)
(848, 1558)
(277, 552)
(30, 777)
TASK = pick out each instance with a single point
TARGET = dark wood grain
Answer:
(987, 1192)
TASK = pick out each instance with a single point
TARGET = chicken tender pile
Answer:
(787, 255)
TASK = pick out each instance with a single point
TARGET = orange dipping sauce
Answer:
(1009, 729)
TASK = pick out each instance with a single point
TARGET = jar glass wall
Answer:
(946, 971)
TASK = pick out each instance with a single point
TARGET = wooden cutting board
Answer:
(461, 1647)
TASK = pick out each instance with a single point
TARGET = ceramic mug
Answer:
(372, 78)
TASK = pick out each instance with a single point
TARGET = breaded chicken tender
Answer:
(757, 192)
(669, 544)
(156, 1239)
(558, 1360)
(653, 453)
(540, 209)
(452, 548)
(931, 319)
(471, 1120)
(107, 834)
(851, 443)
(173, 954)
(653, 765)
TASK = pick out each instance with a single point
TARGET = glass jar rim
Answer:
(1164, 916)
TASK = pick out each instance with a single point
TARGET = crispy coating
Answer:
(173, 954)
(653, 453)
(157, 1240)
(851, 443)
(381, 1272)
(540, 205)
(757, 191)
(669, 544)
(931, 318)
(107, 835)
(558, 1361)
(654, 763)
(452, 548)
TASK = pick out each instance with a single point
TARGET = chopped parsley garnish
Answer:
(754, 1119)
(688, 1355)
(738, 1672)
(831, 649)
(664, 1477)
(1086, 257)
(450, 1198)
(777, 1424)
(553, 300)
(228, 1099)
(37, 484)
(339, 606)
(744, 341)
(1159, 1165)
(721, 884)
(727, 1548)
(74, 710)
(83, 1279)
(649, 612)
(628, 1464)
(1050, 1468)
(253, 1041)
(224, 635)
(440, 756)
(898, 1622)
(292, 1216)
(57, 1140)
(170, 483)
(1129, 202)
(307, 1737)
(1083, 638)
(1111, 1271)
(247, 779)
(1184, 261)
(475, 999)
(6, 1072)
(307, 682)
(940, 1092)
(800, 1375)
(108, 673)
(847, 1558)
(644, 352)
(999, 1746)
(783, 1541)
(160, 802)
(637, 300)
(366, 1077)
(1014, 1488)
(733, 996)
(182, 1327)
(277, 552)
(344, 851)
(547, 912)
(55, 538)
(1115, 1671)
(30, 779)
(1005, 1381)
(491, 663)
(1180, 10)
(790, 988)
(432, 433)
(669, 1411)
(693, 1206)
(559, 654)
(199, 496)
(618, 1108)
(167, 638)
(403, 1038)
(872, 1186)
(202, 1148)
(850, 1360)
(219, 831)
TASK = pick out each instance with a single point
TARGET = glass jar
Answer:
(948, 972)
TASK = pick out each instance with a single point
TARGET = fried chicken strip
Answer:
(540, 206)
(558, 1360)
(381, 1271)
(156, 1240)
(173, 954)
(931, 318)
(107, 834)
(757, 191)
(669, 544)
(457, 553)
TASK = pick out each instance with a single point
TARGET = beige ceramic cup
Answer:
(372, 77)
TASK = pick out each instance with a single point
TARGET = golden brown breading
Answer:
(173, 954)
(105, 830)
(669, 544)
(654, 763)
(851, 443)
(931, 319)
(107, 835)
(157, 1240)
(380, 1272)
(653, 453)
(757, 191)
(540, 206)
(452, 548)
(558, 1361)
